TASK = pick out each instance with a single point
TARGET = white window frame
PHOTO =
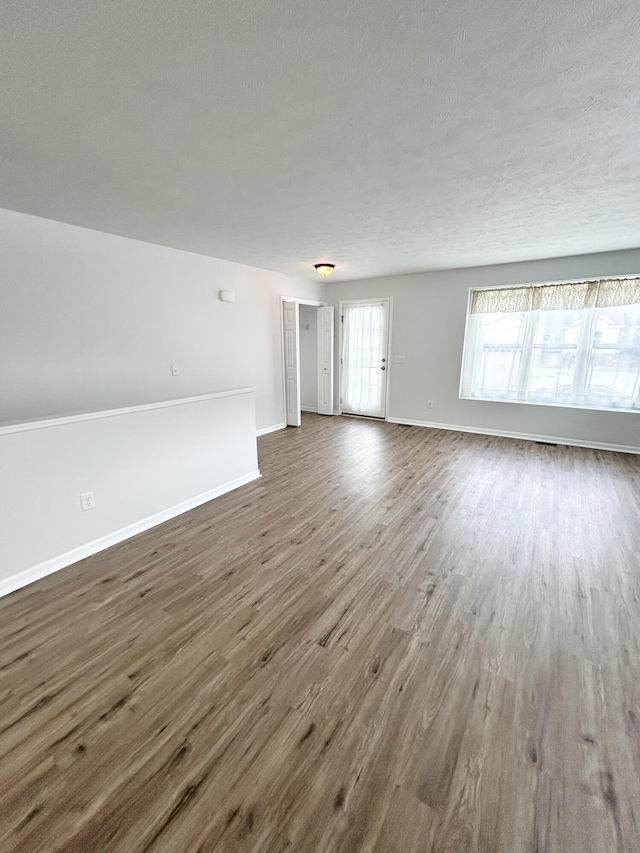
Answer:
(527, 355)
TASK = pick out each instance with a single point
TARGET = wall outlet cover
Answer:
(87, 501)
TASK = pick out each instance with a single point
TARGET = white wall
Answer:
(309, 357)
(429, 312)
(92, 321)
(143, 466)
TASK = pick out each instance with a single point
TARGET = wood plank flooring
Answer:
(399, 639)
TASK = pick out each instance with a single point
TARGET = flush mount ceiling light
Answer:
(324, 269)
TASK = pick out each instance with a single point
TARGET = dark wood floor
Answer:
(398, 640)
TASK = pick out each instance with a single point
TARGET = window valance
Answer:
(598, 293)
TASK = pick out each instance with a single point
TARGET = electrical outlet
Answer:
(175, 370)
(430, 404)
(88, 501)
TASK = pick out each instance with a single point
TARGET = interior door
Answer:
(364, 359)
(325, 361)
(291, 362)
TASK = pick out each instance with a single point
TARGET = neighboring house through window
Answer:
(574, 344)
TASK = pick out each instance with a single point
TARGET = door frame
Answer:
(298, 301)
(371, 301)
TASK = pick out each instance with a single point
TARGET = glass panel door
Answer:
(365, 331)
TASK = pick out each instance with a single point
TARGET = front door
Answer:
(364, 358)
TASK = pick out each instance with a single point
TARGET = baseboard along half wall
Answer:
(546, 439)
(48, 567)
(135, 468)
(268, 429)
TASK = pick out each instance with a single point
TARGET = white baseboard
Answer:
(309, 409)
(548, 439)
(268, 429)
(48, 567)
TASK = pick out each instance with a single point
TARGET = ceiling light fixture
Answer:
(324, 269)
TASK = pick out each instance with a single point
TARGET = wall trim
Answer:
(309, 409)
(269, 429)
(43, 423)
(525, 436)
(48, 567)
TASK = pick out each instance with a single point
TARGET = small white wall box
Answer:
(227, 296)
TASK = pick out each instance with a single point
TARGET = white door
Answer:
(325, 361)
(291, 362)
(364, 358)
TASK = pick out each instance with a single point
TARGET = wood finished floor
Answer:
(398, 640)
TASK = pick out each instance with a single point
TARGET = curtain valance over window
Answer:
(599, 293)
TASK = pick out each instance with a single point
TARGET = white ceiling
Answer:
(387, 137)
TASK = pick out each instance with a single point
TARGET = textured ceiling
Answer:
(387, 137)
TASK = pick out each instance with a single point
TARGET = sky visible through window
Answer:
(589, 357)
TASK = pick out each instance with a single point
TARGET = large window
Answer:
(565, 344)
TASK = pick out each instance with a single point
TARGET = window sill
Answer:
(576, 407)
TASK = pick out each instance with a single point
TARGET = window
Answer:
(559, 344)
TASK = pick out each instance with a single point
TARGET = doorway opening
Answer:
(308, 358)
(364, 357)
(307, 349)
